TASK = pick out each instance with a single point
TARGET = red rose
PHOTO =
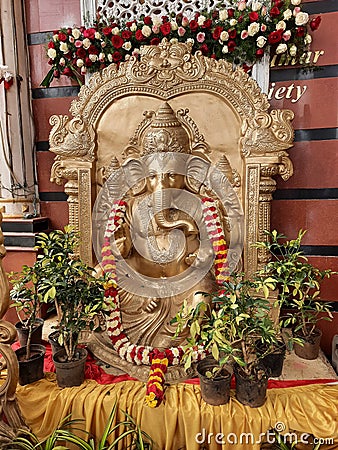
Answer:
(204, 49)
(253, 16)
(217, 33)
(214, 14)
(126, 34)
(89, 33)
(165, 19)
(68, 71)
(139, 35)
(81, 53)
(278, 3)
(231, 46)
(300, 31)
(147, 20)
(155, 41)
(117, 41)
(62, 37)
(231, 12)
(314, 24)
(274, 12)
(129, 24)
(232, 33)
(51, 44)
(259, 53)
(179, 18)
(213, 56)
(165, 28)
(197, 15)
(106, 31)
(69, 30)
(56, 74)
(240, 19)
(193, 26)
(88, 62)
(117, 56)
(92, 50)
(275, 37)
(207, 24)
(113, 25)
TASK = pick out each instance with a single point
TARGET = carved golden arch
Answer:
(226, 104)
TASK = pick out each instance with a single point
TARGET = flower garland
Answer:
(6, 76)
(147, 355)
(241, 34)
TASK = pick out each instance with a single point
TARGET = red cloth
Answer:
(95, 372)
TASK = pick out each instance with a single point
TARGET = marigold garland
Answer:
(159, 360)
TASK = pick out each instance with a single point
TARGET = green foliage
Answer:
(297, 280)
(71, 284)
(65, 434)
(231, 324)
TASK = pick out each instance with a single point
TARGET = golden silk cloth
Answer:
(184, 421)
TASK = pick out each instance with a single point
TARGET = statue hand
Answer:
(151, 304)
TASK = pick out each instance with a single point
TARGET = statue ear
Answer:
(197, 171)
(135, 176)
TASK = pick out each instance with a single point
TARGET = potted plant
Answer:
(26, 299)
(230, 329)
(298, 283)
(78, 297)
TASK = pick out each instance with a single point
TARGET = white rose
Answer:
(146, 31)
(287, 14)
(86, 43)
(253, 28)
(296, 2)
(261, 40)
(133, 27)
(173, 25)
(293, 50)
(71, 39)
(51, 53)
(301, 19)
(62, 62)
(103, 44)
(83, 70)
(241, 6)
(287, 35)
(97, 35)
(233, 22)
(281, 49)
(223, 14)
(116, 30)
(244, 34)
(256, 6)
(110, 57)
(156, 21)
(64, 47)
(201, 20)
(281, 25)
(93, 58)
(102, 56)
(127, 46)
(173, 41)
(308, 39)
(55, 37)
(225, 49)
(79, 62)
(190, 41)
(224, 36)
(76, 33)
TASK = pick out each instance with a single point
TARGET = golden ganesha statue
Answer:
(167, 226)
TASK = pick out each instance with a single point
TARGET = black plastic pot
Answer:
(311, 347)
(54, 343)
(36, 337)
(273, 361)
(251, 390)
(30, 370)
(70, 373)
(215, 391)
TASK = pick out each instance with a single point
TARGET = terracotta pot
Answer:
(30, 370)
(36, 337)
(251, 391)
(214, 391)
(70, 373)
(311, 347)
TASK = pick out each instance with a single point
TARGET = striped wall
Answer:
(309, 200)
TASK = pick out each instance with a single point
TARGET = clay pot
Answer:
(214, 391)
(30, 370)
(70, 373)
(311, 347)
(36, 337)
(251, 391)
